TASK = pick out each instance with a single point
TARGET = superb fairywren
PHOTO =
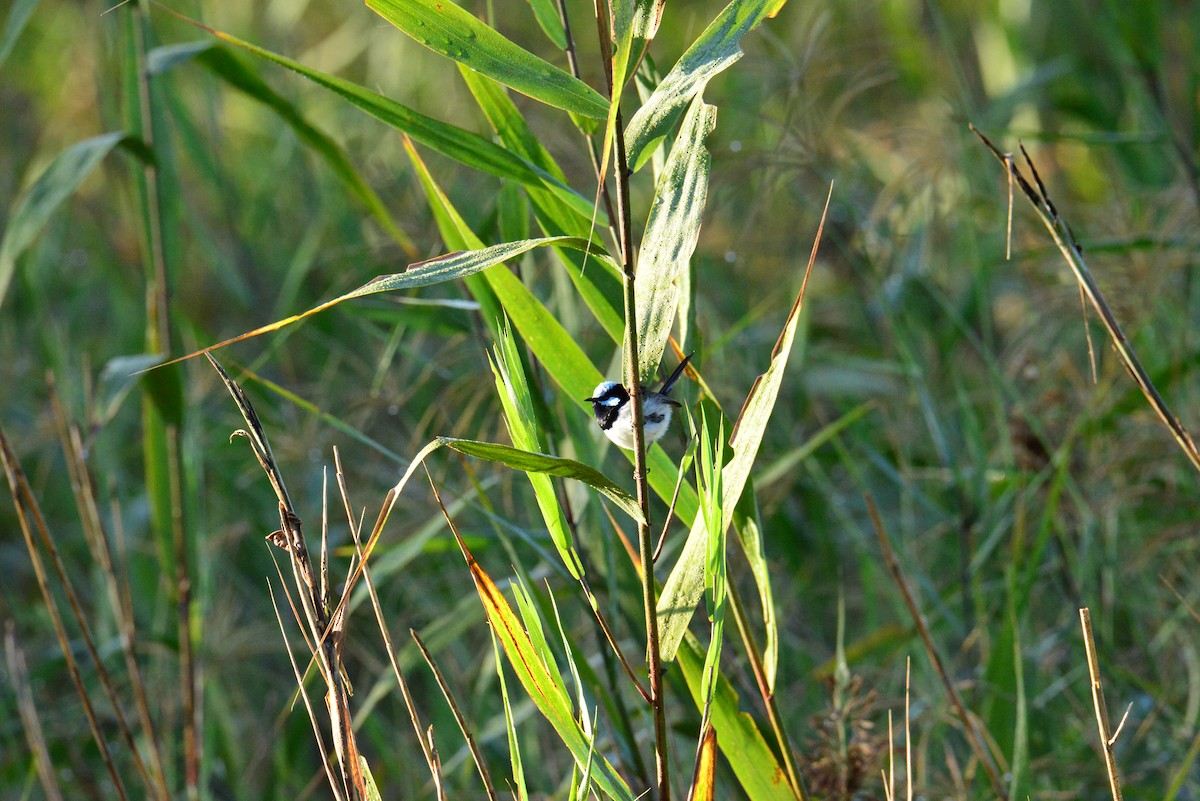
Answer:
(614, 412)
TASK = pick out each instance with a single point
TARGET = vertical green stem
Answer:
(167, 443)
(645, 539)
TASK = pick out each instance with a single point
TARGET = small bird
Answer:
(614, 412)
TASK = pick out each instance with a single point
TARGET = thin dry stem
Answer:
(1106, 741)
(1060, 232)
(472, 746)
(30, 722)
(977, 745)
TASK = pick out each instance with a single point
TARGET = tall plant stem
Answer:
(645, 539)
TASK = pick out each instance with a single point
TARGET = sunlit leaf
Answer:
(550, 465)
(448, 29)
(715, 50)
(548, 696)
(672, 231)
(752, 760)
(704, 777)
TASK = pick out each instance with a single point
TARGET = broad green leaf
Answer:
(222, 63)
(18, 15)
(685, 584)
(753, 762)
(448, 29)
(513, 388)
(36, 204)
(672, 231)
(715, 50)
(538, 683)
(550, 465)
(600, 288)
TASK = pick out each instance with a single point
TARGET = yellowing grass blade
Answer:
(705, 776)
(548, 696)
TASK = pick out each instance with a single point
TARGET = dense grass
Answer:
(1015, 488)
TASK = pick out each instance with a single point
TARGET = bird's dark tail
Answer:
(675, 375)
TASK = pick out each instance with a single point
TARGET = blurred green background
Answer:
(1015, 488)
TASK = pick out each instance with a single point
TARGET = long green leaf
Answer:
(550, 465)
(448, 29)
(715, 50)
(599, 288)
(672, 231)
(222, 63)
(513, 388)
(37, 203)
(685, 584)
(451, 266)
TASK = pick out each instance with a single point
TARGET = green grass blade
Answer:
(715, 50)
(672, 231)
(448, 29)
(537, 638)
(512, 386)
(451, 266)
(14, 24)
(685, 584)
(562, 467)
(36, 204)
(521, 793)
(229, 68)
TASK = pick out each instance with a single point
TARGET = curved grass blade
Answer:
(36, 204)
(546, 13)
(715, 50)
(562, 467)
(449, 267)
(672, 231)
(513, 388)
(226, 66)
(448, 29)
(685, 584)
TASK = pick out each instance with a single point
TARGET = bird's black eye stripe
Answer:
(656, 417)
